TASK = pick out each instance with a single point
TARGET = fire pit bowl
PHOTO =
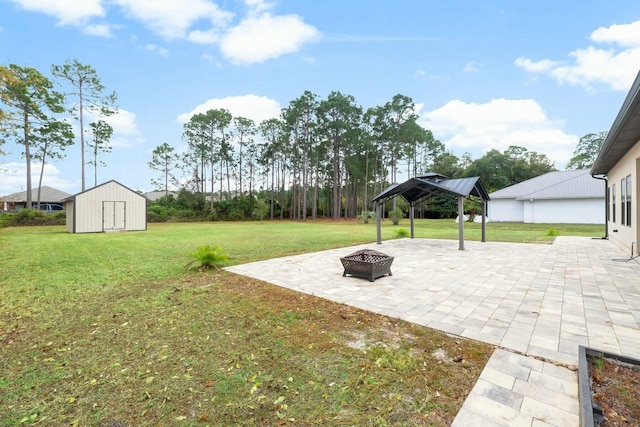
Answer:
(367, 263)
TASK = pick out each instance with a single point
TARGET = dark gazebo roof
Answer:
(433, 184)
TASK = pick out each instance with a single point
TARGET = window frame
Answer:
(623, 204)
(628, 199)
(613, 204)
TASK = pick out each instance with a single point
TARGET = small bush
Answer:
(553, 232)
(396, 215)
(27, 217)
(207, 257)
(367, 216)
(401, 232)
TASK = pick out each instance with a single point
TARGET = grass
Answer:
(111, 330)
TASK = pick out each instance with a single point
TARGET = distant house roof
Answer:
(47, 194)
(155, 195)
(624, 133)
(571, 184)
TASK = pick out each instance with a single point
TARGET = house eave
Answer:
(624, 132)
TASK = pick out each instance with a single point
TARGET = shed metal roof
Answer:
(570, 184)
(624, 133)
(417, 188)
(47, 194)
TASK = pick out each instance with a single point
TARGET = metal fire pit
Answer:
(367, 263)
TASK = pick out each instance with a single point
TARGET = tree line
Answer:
(322, 157)
(327, 158)
(35, 115)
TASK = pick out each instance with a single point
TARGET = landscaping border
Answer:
(584, 383)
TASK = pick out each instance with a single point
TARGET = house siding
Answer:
(505, 210)
(622, 235)
(573, 211)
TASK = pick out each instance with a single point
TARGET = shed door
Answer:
(113, 215)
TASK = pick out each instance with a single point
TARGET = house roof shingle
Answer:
(47, 194)
(570, 184)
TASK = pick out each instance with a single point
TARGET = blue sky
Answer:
(483, 74)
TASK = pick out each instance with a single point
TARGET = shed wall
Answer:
(68, 207)
(91, 205)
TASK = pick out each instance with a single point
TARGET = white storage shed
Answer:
(107, 207)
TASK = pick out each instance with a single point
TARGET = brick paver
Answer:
(537, 303)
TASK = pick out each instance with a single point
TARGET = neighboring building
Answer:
(107, 207)
(155, 195)
(559, 197)
(619, 162)
(18, 201)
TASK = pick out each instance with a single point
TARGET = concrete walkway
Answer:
(537, 303)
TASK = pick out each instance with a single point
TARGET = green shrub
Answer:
(207, 257)
(260, 209)
(553, 232)
(401, 232)
(396, 215)
(367, 216)
(28, 217)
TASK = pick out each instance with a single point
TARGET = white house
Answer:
(107, 207)
(619, 162)
(559, 197)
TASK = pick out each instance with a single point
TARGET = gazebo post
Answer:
(378, 220)
(411, 216)
(461, 222)
(484, 221)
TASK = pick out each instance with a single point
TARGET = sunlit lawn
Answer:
(111, 330)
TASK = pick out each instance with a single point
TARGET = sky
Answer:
(484, 74)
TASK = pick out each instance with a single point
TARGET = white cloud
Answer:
(125, 128)
(258, 6)
(67, 12)
(99, 30)
(13, 178)
(211, 36)
(499, 124)
(264, 37)
(472, 66)
(157, 49)
(615, 67)
(172, 19)
(624, 35)
(257, 108)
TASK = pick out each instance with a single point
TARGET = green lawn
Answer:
(111, 330)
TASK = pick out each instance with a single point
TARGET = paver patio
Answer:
(537, 303)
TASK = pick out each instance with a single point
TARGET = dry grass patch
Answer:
(221, 349)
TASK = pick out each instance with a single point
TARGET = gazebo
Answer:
(435, 185)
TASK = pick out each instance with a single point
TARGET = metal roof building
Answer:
(107, 207)
(566, 197)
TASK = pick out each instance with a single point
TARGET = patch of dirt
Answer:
(616, 387)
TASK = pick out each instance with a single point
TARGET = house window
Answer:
(628, 200)
(609, 203)
(613, 203)
(623, 203)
